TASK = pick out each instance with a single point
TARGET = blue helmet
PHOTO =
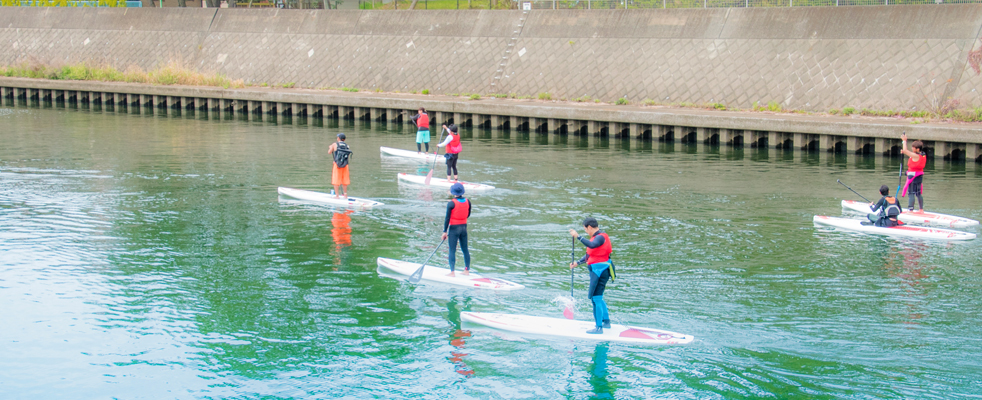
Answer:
(457, 189)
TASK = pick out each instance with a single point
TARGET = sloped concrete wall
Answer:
(813, 58)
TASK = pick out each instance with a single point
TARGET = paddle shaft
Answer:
(572, 259)
(429, 175)
(901, 173)
(857, 193)
(416, 276)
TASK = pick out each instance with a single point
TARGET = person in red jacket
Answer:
(597, 258)
(455, 227)
(453, 150)
(915, 172)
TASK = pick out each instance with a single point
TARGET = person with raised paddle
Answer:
(339, 174)
(597, 258)
(455, 227)
(885, 211)
(453, 150)
(915, 173)
(422, 122)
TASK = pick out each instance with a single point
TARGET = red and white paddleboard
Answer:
(442, 182)
(916, 217)
(573, 329)
(437, 274)
(900, 231)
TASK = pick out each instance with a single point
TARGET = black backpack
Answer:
(341, 154)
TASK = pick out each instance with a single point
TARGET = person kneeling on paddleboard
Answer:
(597, 258)
(455, 227)
(453, 150)
(885, 211)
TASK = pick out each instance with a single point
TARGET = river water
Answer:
(150, 257)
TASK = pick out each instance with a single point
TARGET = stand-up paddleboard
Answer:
(899, 231)
(409, 154)
(917, 217)
(327, 198)
(442, 183)
(573, 329)
(437, 274)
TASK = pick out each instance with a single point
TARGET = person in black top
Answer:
(885, 211)
(455, 227)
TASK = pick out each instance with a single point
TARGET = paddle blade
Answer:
(428, 177)
(416, 276)
(569, 305)
(568, 312)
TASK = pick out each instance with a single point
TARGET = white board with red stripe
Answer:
(574, 329)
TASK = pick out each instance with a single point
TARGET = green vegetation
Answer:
(848, 111)
(425, 91)
(475, 96)
(170, 74)
(582, 99)
(622, 102)
(349, 89)
(719, 106)
(64, 3)
(288, 85)
(772, 106)
(545, 96)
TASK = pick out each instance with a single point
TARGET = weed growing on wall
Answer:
(169, 74)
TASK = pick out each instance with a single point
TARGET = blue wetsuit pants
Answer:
(458, 233)
(599, 275)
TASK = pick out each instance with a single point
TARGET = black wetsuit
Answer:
(885, 213)
(452, 163)
(457, 233)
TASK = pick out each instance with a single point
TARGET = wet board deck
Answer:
(437, 274)
(442, 182)
(327, 198)
(545, 326)
(410, 154)
(919, 232)
(916, 217)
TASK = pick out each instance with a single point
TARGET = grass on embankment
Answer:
(170, 74)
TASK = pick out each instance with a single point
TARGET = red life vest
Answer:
(454, 147)
(600, 254)
(917, 166)
(458, 215)
(423, 122)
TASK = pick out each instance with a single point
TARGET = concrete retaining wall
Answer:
(813, 58)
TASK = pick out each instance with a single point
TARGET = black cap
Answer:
(341, 136)
(591, 222)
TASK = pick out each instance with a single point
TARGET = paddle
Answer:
(850, 189)
(416, 276)
(901, 174)
(429, 175)
(568, 312)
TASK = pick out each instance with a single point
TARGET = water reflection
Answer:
(903, 262)
(457, 337)
(602, 388)
(341, 233)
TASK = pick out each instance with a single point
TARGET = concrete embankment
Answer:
(920, 57)
(752, 129)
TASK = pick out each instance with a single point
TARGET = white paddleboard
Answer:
(327, 198)
(899, 231)
(389, 151)
(437, 274)
(574, 329)
(916, 217)
(442, 182)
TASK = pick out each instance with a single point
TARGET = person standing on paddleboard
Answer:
(455, 227)
(453, 150)
(339, 174)
(422, 121)
(885, 211)
(597, 258)
(915, 172)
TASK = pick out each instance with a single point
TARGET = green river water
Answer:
(150, 257)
